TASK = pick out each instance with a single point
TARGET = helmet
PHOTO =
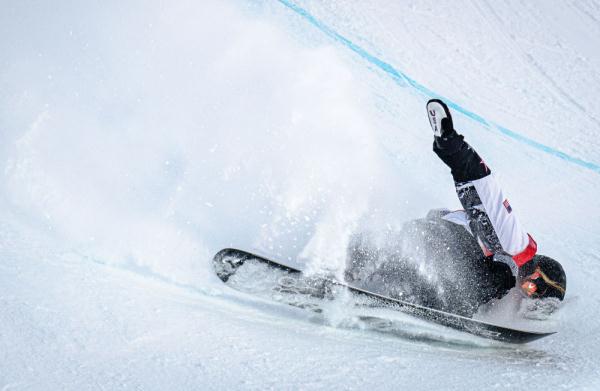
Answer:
(543, 277)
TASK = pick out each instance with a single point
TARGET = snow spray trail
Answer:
(215, 151)
(406, 81)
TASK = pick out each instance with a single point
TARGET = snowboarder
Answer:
(457, 261)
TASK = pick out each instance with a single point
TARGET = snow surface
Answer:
(139, 138)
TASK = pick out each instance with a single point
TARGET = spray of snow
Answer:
(154, 152)
(148, 136)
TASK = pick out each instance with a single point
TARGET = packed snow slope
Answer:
(138, 138)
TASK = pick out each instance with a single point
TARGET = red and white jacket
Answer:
(488, 216)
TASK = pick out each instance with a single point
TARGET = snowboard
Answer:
(277, 281)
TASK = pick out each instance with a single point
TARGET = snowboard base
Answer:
(276, 281)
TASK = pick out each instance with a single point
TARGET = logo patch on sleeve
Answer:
(507, 206)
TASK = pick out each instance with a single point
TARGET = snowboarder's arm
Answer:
(493, 221)
(490, 216)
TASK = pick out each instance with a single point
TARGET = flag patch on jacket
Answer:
(507, 206)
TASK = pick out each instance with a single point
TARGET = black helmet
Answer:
(543, 277)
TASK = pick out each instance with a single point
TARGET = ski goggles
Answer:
(537, 284)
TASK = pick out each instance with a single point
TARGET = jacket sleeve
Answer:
(492, 220)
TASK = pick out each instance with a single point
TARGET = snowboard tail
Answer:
(288, 284)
